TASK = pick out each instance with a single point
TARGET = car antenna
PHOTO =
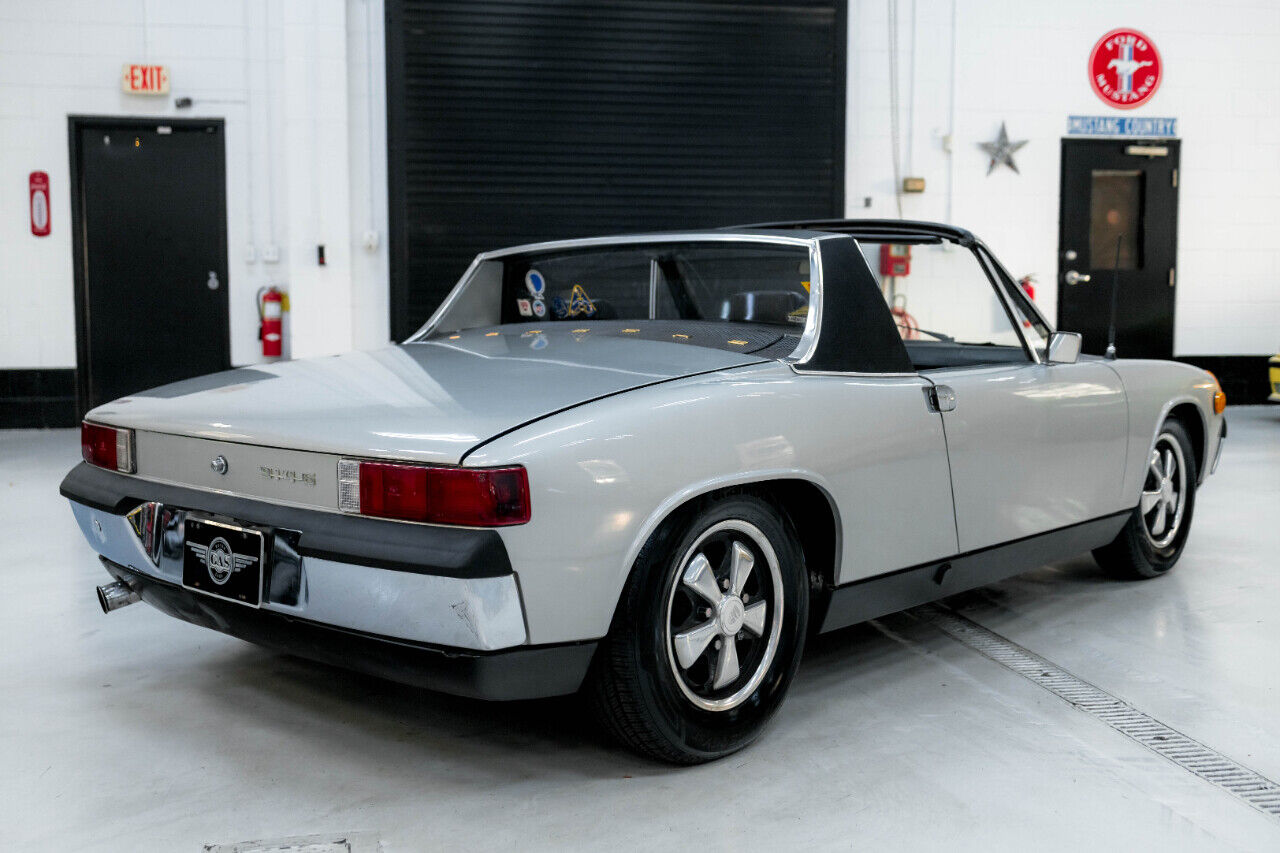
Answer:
(1115, 284)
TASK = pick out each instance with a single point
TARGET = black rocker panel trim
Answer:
(888, 593)
(527, 672)
(418, 548)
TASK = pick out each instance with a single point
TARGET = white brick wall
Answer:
(1024, 63)
(309, 130)
(300, 65)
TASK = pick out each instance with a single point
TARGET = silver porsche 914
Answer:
(646, 467)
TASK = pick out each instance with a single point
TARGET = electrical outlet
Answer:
(271, 254)
(371, 241)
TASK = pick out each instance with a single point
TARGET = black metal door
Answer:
(1123, 190)
(151, 255)
(512, 121)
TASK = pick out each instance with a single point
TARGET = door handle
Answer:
(1073, 277)
(940, 398)
(213, 282)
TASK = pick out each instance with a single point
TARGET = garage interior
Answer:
(364, 151)
(142, 732)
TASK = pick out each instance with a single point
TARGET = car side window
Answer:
(944, 304)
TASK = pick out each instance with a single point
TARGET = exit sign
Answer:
(146, 80)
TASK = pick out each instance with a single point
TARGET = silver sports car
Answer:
(647, 467)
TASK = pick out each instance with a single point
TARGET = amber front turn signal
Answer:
(1219, 398)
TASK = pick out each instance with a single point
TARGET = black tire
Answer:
(1138, 553)
(643, 695)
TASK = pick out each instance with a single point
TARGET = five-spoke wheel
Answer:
(708, 633)
(721, 615)
(1151, 540)
(1164, 493)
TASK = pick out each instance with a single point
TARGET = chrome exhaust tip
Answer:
(113, 596)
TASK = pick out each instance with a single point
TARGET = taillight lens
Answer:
(477, 497)
(107, 447)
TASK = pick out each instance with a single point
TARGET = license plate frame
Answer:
(217, 549)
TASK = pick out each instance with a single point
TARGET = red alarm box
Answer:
(895, 259)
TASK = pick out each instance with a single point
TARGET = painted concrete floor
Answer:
(139, 732)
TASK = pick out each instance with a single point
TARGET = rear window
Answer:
(724, 282)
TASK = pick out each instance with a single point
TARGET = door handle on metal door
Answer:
(213, 280)
(1073, 277)
(940, 398)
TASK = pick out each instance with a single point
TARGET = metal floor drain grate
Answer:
(1236, 779)
(347, 842)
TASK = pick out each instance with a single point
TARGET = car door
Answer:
(1032, 446)
(886, 467)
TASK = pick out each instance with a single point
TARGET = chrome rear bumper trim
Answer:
(478, 614)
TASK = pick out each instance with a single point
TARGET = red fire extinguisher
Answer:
(1028, 285)
(270, 318)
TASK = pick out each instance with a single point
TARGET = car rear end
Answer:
(325, 506)
(391, 568)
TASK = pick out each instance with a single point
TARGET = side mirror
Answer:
(1064, 348)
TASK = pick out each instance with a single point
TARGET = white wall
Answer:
(291, 80)
(306, 158)
(1024, 63)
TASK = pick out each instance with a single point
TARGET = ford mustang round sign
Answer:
(1125, 69)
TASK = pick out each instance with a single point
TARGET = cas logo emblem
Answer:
(219, 560)
(1125, 69)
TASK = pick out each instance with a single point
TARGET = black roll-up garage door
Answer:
(511, 121)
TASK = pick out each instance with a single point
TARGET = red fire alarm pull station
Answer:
(39, 185)
(895, 259)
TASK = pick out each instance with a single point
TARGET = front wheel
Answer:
(1153, 538)
(707, 636)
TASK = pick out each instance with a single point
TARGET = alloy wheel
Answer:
(1164, 492)
(724, 615)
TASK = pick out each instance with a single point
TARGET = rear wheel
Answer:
(1153, 538)
(707, 636)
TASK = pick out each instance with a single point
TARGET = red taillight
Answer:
(477, 497)
(107, 447)
(489, 497)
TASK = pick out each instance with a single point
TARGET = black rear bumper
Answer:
(420, 548)
(529, 672)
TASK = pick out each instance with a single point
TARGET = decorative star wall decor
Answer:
(1001, 151)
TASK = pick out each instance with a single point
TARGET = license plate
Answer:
(223, 560)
